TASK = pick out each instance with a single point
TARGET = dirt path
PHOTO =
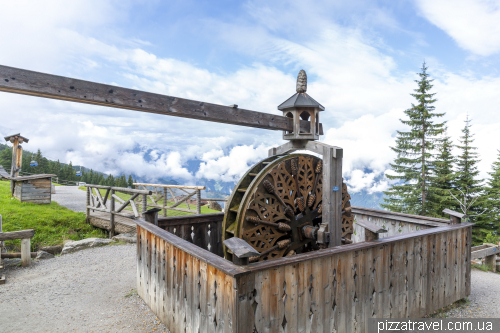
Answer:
(80, 292)
(71, 197)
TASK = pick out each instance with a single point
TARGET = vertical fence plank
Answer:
(204, 299)
(212, 285)
(317, 296)
(111, 215)
(291, 300)
(219, 305)
(246, 315)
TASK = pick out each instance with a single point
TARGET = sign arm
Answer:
(25, 82)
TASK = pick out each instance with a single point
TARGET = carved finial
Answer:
(302, 81)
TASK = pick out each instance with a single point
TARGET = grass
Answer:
(132, 292)
(52, 223)
(484, 268)
(204, 209)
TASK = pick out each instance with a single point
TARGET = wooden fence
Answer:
(337, 289)
(160, 196)
(106, 203)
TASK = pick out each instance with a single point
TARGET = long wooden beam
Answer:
(25, 82)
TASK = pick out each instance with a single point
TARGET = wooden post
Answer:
(19, 159)
(88, 204)
(455, 217)
(491, 261)
(164, 202)
(112, 215)
(25, 252)
(13, 170)
(152, 216)
(144, 204)
(1, 242)
(332, 193)
(198, 202)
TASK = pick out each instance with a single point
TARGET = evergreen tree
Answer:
(467, 161)
(130, 182)
(490, 220)
(467, 181)
(413, 165)
(444, 176)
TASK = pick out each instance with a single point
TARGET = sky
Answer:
(361, 57)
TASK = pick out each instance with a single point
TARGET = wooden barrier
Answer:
(96, 202)
(335, 289)
(394, 223)
(162, 196)
(488, 252)
(25, 237)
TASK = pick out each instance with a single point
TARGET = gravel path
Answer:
(484, 301)
(84, 291)
(94, 291)
(71, 197)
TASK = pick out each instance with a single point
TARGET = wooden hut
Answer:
(34, 189)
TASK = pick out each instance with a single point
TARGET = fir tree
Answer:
(413, 165)
(444, 176)
(490, 220)
(130, 182)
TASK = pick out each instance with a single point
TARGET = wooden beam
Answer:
(22, 234)
(25, 82)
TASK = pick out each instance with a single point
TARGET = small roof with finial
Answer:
(13, 136)
(301, 98)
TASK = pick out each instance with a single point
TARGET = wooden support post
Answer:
(372, 230)
(19, 159)
(198, 202)
(491, 261)
(332, 193)
(1, 242)
(151, 216)
(112, 215)
(144, 204)
(25, 252)
(455, 217)
(88, 204)
(165, 201)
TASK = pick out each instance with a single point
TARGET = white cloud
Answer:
(233, 166)
(473, 24)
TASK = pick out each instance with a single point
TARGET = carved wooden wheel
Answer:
(276, 207)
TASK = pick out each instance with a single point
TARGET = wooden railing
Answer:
(160, 197)
(106, 203)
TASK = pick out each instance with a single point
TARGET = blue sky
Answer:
(361, 58)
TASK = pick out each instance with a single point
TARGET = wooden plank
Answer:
(370, 226)
(417, 219)
(245, 313)
(240, 248)
(228, 309)
(276, 299)
(32, 83)
(195, 301)
(291, 301)
(211, 305)
(21, 234)
(488, 251)
(317, 296)
(172, 186)
(304, 297)
(204, 297)
(219, 305)
(188, 294)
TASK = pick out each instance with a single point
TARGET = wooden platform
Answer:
(101, 220)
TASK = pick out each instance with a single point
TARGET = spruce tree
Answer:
(490, 220)
(467, 179)
(444, 177)
(412, 168)
(130, 182)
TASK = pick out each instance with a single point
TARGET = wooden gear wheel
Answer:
(274, 201)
